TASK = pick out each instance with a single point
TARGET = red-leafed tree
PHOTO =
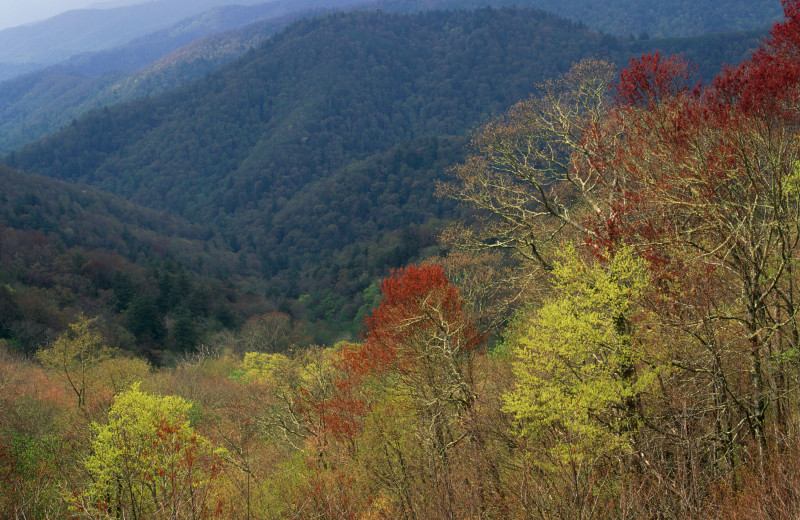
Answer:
(419, 353)
(415, 368)
(650, 80)
(421, 338)
(768, 81)
(420, 331)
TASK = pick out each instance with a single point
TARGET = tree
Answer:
(272, 332)
(579, 376)
(578, 368)
(9, 311)
(521, 173)
(148, 462)
(75, 354)
(714, 209)
(713, 174)
(421, 332)
(418, 359)
(491, 285)
(144, 319)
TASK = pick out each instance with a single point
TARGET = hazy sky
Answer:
(18, 12)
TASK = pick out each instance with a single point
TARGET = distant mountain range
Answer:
(41, 102)
(44, 101)
(313, 157)
(51, 41)
(667, 18)
(138, 34)
(87, 30)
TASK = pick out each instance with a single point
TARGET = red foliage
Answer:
(650, 79)
(769, 81)
(420, 309)
(8, 464)
(419, 304)
(340, 415)
(675, 157)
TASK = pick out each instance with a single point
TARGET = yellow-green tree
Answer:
(148, 462)
(264, 367)
(75, 353)
(579, 374)
(577, 369)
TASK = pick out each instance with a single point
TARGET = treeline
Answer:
(628, 17)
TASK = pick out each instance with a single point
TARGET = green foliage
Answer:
(792, 181)
(263, 367)
(679, 18)
(119, 373)
(144, 319)
(33, 454)
(578, 369)
(30, 458)
(9, 311)
(147, 461)
(65, 249)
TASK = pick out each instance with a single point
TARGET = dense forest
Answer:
(609, 331)
(318, 172)
(42, 102)
(67, 249)
(631, 17)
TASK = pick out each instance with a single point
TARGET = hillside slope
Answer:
(666, 18)
(42, 102)
(46, 100)
(67, 249)
(307, 151)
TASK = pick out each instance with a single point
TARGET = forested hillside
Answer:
(46, 100)
(667, 18)
(661, 19)
(42, 102)
(327, 138)
(69, 249)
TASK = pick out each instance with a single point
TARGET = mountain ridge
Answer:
(44, 101)
(346, 114)
(84, 30)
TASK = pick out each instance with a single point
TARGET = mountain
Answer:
(667, 18)
(86, 30)
(48, 99)
(42, 102)
(314, 156)
(127, 38)
(36, 45)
